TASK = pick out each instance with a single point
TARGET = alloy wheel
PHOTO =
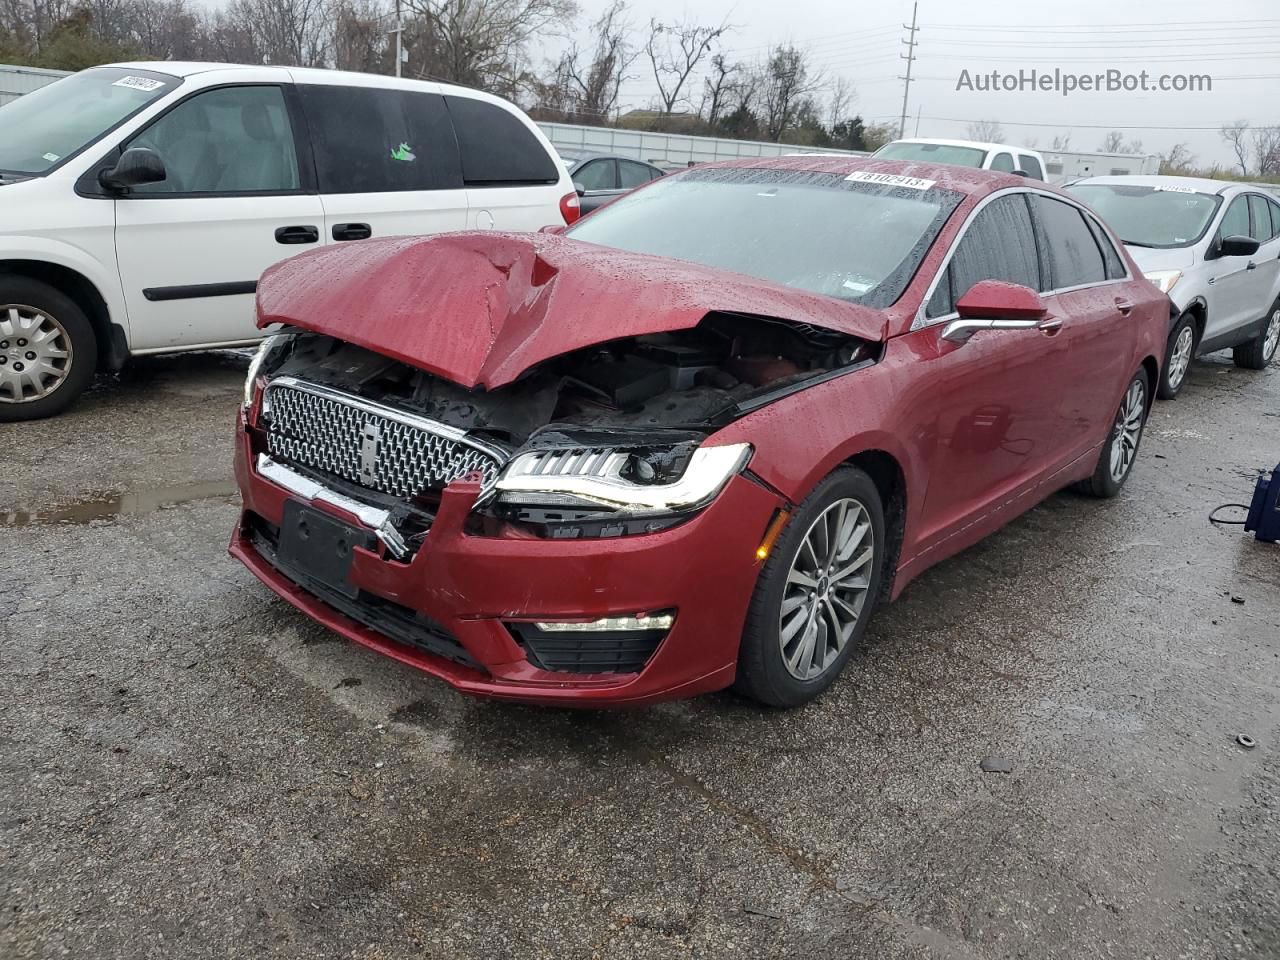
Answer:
(1180, 357)
(826, 588)
(35, 353)
(1127, 430)
(1273, 335)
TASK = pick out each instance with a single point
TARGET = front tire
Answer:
(1261, 350)
(816, 592)
(1116, 460)
(1177, 361)
(48, 350)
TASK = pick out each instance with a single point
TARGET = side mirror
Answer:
(579, 189)
(136, 166)
(1238, 246)
(997, 305)
(1022, 173)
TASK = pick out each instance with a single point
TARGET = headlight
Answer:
(632, 481)
(1164, 279)
(255, 365)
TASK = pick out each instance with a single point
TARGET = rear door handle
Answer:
(297, 234)
(1123, 305)
(352, 231)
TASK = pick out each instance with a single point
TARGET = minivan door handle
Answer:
(352, 231)
(298, 234)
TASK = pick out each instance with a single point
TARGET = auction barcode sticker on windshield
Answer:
(1162, 188)
(139, 83)
(891, 180)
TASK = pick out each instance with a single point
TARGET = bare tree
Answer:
(1031, 142)
(675, 50)
(1236, 134)
(786, 81)
(986, 131)
(1061, 143)
(841, 98)
(1178, 157)
(1115, 142)
(716, 87)
(589, 84)
(1266, 150)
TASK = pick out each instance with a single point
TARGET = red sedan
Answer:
(694, 441)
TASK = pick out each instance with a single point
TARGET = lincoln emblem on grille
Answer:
(370, 434)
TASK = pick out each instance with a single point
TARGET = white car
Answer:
(1214, 247)
(966, 153)
(142, 201)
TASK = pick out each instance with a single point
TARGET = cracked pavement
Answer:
(190, 768)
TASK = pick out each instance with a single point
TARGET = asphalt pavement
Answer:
(190, 768)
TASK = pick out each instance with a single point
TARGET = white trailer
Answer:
(1059, 166)
(15, 81)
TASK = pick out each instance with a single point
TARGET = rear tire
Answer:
(48, 350)
(1178, 356)
(1261, 350)
(1120, 452)
(816, 593)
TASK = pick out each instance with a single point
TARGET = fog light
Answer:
(657, 621)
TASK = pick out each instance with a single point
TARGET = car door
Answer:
(1231, 287)
(1266, 230)
(386, 161)
(597, 181)
(993, 436)
(1095, 345)
(236, 199)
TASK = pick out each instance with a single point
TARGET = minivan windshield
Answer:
(45, 127)
(933, 153)
(819, 232)
(1146, 216)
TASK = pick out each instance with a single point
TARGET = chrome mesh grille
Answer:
(389, 452)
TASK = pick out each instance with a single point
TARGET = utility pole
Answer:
(919, 107)
(399, 32)
(909, 56)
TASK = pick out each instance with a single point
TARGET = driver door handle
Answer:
(1050, 325)
(297, 234)
(1124, 306)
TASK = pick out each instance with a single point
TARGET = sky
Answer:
(1235, 42)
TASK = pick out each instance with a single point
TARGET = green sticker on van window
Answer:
(404, 154)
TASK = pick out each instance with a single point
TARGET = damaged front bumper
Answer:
(474, 610)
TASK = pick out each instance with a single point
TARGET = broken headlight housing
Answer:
(267, 345)
(609, 489)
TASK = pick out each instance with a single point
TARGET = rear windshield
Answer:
(45, 127)
(818, 232)
(1150, 216)
(933, 153)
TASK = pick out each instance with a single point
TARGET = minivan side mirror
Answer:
(1238, 246)
(997, 305)
(137, 165)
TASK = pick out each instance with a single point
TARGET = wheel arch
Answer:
(112, 345)
(1152, 368)
(891, 483)
(1199, 311)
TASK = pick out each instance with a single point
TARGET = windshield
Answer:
(819, 232)
(1150, 216)
(933, 153)
(45, 127)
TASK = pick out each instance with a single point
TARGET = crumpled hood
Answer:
(481, 308)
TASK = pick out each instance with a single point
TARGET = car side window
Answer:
(498, 148)
(1235, 222)
(373, 140)
(224, 141)
(1074, 256)
(1030, 166)
(1262, 230)
(1275, 217)
(1002, 162)
(1114, 264)
(632, 174)
(999, 244)
(596, 175)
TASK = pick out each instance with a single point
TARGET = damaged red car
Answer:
(696, 439)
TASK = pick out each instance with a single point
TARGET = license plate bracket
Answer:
(321, 546)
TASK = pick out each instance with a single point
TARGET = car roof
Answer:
(979, 144)
(967, 180)
(1199, 184)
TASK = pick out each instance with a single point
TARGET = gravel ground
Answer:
(192, 769)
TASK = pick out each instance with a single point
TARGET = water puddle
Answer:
(111, 504)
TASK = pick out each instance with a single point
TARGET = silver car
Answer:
(1214, 248)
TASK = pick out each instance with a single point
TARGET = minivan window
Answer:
(1074, 256)
(1150, 216)
(1030, 166)
(933, 153)
(49, 125)
(227, 140)
(375, 140)
(812, 231)
(497, 147)
(1002, 162)
(1000, 244)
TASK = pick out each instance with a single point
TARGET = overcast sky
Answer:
(1237, 42)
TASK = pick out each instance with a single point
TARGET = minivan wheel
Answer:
(1261, 350)
(1116, 460)
(48, 350)
(1177, 361)
(816, 592)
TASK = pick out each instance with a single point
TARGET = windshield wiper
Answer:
(1135, 243)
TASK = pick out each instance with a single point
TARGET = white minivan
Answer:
(1000, 157)
(142, 201)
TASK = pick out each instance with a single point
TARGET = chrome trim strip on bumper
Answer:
(375, 518)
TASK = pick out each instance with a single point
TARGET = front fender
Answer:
(103, 276)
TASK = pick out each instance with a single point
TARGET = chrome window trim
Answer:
(920, 321)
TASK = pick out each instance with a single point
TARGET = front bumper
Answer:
(705, 569)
